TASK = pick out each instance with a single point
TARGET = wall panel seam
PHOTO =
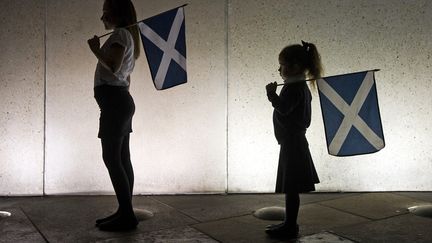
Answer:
(45, 96)
(227, 97)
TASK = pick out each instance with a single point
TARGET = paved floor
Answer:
(324, 217)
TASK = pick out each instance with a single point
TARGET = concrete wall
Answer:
(214, 133)
(22, 63)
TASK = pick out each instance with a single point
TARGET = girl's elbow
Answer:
(114, 67)
(284, 112)
(281, 112)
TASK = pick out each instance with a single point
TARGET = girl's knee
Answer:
(112, 161)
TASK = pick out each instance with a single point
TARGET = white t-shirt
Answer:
(120, 78)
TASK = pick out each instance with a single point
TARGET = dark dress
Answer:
(117, 109)
(291, 118)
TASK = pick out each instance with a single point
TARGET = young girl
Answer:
(116, 60)
(291, 117)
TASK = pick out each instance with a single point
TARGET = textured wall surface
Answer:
(22, 64)
(182, 141)
(351, 36)
(179, 139)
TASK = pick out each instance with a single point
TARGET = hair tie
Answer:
(306, 46)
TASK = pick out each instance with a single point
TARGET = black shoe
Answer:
(119, 223)
(106, 219)
(283, 232)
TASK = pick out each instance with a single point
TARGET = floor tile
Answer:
(11, 202)
(212, 207)
(18, 228)
(306, 198)
(423, 196)
(404, 228)
(71, 219)
(316, 218)
(174, 235)
(239, 229)
(323, 237)
(374, 205)
(312, 218)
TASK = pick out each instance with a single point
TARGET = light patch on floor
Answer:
(323, 237)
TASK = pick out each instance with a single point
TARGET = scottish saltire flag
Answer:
(351, 115)
(164, 41)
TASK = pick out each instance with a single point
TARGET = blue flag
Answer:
(164, 41)
(350, 111)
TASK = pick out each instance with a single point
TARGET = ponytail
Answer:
(136, 39)
(313, 63)
(125, 13)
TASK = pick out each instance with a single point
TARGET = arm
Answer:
(112, 58)
(283, 104)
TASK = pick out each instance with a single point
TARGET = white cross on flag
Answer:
(351, 115)
(164, 42)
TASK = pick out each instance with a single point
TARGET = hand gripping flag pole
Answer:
(164, 41)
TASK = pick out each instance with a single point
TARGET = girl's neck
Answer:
(295, 78)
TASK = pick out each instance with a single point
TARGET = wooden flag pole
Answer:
(297, 81)
(109, 33)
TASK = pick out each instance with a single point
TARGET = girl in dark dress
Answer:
(291, 117)
(116, 61)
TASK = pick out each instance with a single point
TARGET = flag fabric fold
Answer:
(164, 41)
(350, 111)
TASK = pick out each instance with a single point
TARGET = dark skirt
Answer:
(117, 108)
(296, 170)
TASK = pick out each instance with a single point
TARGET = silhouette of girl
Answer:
(291, 117)
(116, 60)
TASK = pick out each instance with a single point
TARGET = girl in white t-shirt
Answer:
(116, 60)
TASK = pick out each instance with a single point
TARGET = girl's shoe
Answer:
(106, 219)
(120, 223)
(283, 232)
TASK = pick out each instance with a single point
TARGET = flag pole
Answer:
(297, 81)
(109, 33)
